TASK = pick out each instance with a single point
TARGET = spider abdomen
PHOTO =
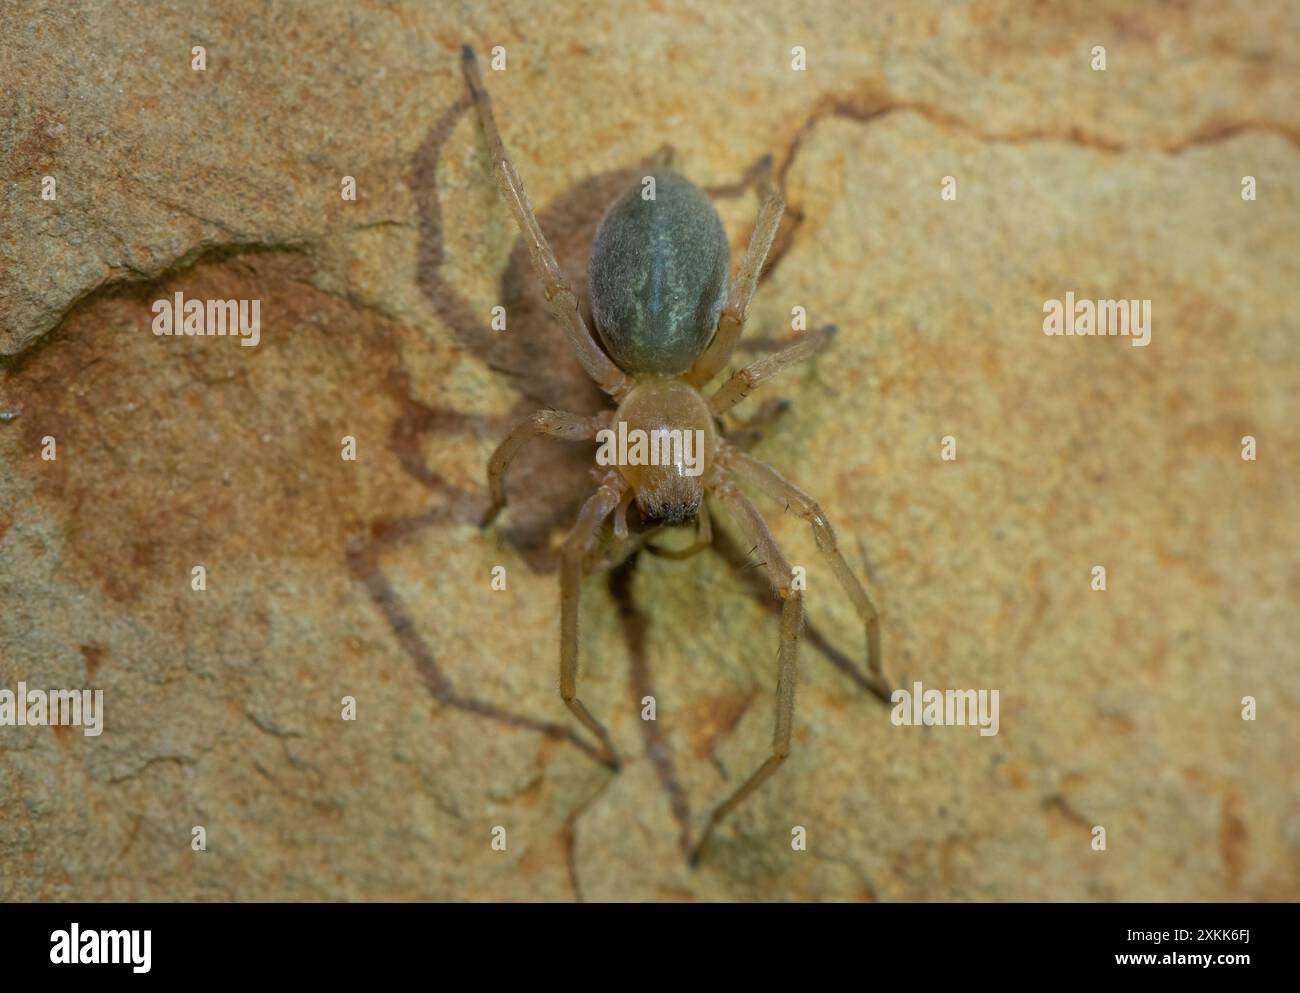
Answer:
(658, 275)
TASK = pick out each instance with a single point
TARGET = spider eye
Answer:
(674, 508)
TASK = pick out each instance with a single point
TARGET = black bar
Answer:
(334, 943)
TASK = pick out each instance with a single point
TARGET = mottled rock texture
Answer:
(371, 579)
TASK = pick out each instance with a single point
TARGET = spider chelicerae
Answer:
(669, 319)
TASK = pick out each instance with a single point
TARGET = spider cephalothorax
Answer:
(669, 418)
(669, 319)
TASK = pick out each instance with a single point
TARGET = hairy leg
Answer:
(562, 301)
(760, 371)
(581, 541)
(620, 514)
(557, 424)
(769, 481)
(732, 322)
(778, 569)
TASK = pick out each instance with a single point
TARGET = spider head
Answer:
(666, 497)
(662, 440)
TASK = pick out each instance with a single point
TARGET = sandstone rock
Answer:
(370, 579)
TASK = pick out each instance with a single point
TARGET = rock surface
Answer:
(370, 579)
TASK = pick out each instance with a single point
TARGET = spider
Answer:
(669, 318)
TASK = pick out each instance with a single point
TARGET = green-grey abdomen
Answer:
(658, 276)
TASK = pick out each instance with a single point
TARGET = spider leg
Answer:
(663, 157)
(620, 516)
(560, 298)
(580, 542)
(745, 381)
(556, 423)
(732, 321)
(778, 569)
(763, 477)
